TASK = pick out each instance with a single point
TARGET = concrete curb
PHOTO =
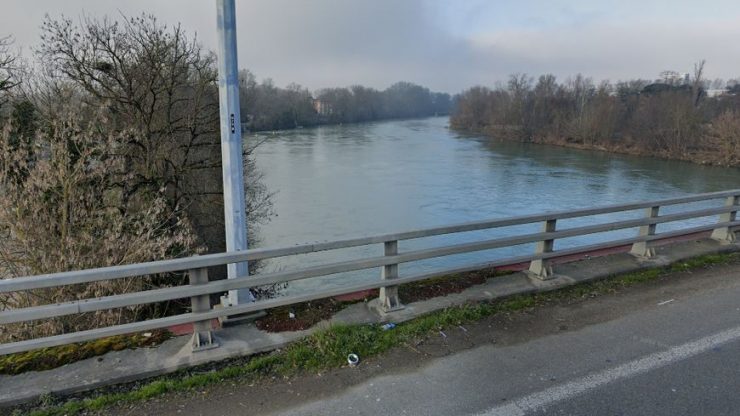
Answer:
(174, 354)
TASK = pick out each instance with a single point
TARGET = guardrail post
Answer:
(389, 300)
(725, 234)
(540, 267)
(642, 248)
(202, 335)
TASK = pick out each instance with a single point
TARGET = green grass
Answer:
(329, 348)
(53, 357)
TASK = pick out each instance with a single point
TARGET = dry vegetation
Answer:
(671, 118)
(109, 154)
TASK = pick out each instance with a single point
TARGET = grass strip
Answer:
(328, 348)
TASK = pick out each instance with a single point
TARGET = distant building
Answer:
(716, 92)
(674, 78)
(322, 107)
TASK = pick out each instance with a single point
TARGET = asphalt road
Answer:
(679, 357)
(670, 347)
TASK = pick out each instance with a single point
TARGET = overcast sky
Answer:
(447, 45)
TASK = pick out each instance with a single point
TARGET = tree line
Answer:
(671, 116)
(265, 106)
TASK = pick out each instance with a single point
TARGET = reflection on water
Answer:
(354, 180)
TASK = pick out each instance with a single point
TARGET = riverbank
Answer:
(332, 123)
(711, 155)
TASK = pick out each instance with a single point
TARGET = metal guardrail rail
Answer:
(200, 288)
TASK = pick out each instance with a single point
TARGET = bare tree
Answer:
(697, 89)
(156, 79)
(726, 130)
(60, 212)
(660, 118)
(473, 110)
(519, 87)
(112, 158)
(8, 69)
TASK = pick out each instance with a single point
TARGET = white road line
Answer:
(544, 398)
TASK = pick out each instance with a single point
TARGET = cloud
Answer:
(338, 42)
(444, 45)
(619, 51)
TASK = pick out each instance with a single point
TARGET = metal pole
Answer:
(231, 145)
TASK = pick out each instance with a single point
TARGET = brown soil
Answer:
(442, 286)
(310, 313)
(305, 315)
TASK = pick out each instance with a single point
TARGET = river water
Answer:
(336, 182)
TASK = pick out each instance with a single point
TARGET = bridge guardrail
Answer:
(199, 288)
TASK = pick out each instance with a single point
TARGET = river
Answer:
(335, 182)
